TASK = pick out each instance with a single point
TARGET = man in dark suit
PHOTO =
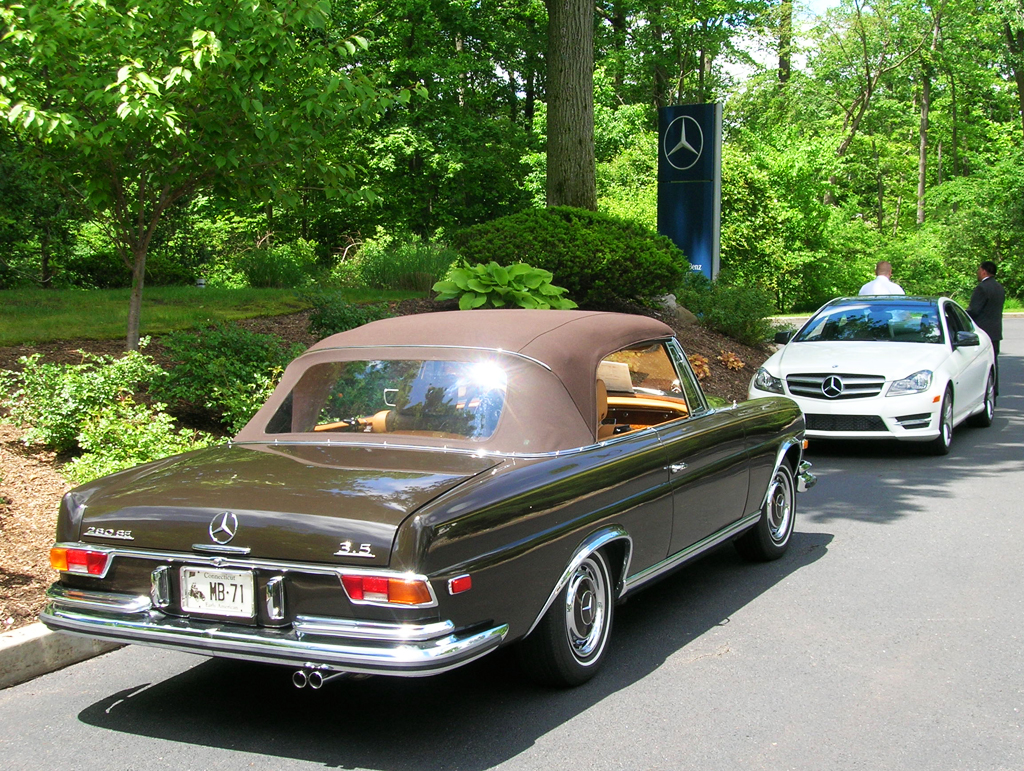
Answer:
(986, 307)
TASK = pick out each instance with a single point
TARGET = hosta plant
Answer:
(495, 286)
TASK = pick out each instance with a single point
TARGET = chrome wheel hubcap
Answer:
(780, 507)
(586, 608)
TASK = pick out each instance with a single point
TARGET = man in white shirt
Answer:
(883, 282)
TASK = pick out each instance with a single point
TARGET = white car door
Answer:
(969, 364)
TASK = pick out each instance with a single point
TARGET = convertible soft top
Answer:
(553, 405)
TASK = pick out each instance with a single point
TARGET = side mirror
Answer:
(781, 338)
(966, 339)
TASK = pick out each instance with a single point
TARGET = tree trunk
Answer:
(571, 172)
(45, 273)
(785, 41)
(1015, 41)
(135, 303)
(953, 119)
(922, 155)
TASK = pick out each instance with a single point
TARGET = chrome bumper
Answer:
(805, 480)
(338, 645)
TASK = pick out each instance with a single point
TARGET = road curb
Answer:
(34, 650)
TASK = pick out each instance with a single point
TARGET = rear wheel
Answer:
(769, 538)
(941, 444)
(569, 643)
(984, 418)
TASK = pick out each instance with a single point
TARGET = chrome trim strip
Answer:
(280, 646)
(591, 543)
(227, 561)
(677, 559)
(370, 630)
(106, 602)
(216, 548)
(428, 347)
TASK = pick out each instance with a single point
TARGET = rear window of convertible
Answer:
(446, 399)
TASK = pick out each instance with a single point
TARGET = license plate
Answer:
(218, 592)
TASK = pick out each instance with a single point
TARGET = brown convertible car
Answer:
(421, 490)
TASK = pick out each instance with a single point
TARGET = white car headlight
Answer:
(917, 383)
(765, 381)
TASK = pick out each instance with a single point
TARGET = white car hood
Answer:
(890, 360)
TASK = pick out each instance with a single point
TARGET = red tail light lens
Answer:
(387, 590)
(93, 563)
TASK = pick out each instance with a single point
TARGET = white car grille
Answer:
(834, 386)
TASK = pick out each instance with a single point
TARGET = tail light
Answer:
(85, 561)
(387, 590)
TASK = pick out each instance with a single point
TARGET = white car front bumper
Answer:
(914, 417)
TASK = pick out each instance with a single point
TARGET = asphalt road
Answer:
(890, 637)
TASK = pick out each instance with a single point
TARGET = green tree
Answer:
(136, 107)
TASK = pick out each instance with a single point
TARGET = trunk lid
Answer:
(304, 503)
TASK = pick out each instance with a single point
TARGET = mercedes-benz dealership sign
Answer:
(690, 181)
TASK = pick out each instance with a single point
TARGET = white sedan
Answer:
(884, 367)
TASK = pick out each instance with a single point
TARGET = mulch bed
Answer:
(31, 485)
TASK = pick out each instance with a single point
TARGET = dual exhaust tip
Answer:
(314, 678)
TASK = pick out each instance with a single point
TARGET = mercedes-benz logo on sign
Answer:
(223, 527)
(832, 387)
(683, 142)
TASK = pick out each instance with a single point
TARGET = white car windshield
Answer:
(892, 322)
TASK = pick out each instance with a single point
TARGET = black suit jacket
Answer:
(986, 307)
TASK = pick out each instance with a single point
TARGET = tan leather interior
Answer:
(603, 431)
(379, 422)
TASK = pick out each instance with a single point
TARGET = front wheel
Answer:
(941, 444)
(569, 643)
(769, 538)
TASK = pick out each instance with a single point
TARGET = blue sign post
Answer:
(690, 182)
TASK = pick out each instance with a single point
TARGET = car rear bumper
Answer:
(336, 645)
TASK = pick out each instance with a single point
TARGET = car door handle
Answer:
(675, 468)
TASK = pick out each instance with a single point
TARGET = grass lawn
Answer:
(39, 315)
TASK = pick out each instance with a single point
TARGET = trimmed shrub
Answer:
(741, 312)
(53, 401)
(224, 370)
(602, 261)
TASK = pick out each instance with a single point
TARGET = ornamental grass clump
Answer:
(495, 286)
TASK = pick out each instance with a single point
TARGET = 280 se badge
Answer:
(422, 490)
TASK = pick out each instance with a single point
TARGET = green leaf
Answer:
(448, 287)
(478, 286)
(500, 274)
(467, 300)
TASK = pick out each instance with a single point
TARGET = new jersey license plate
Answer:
(218, 592)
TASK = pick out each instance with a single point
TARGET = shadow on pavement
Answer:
(483, 714)
(902, 474)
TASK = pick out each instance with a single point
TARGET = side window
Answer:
(965, 321)
(641, 370)
(952, 322)
(645, 388)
